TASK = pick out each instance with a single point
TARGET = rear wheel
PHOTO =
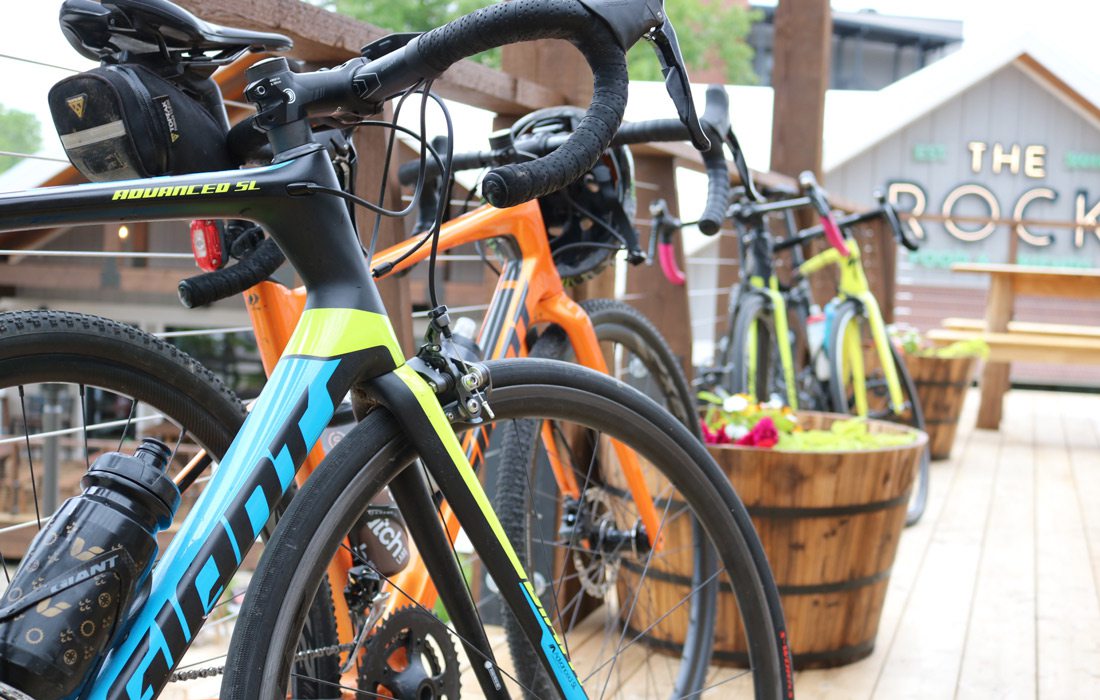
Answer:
(850, 325)
(619, 648)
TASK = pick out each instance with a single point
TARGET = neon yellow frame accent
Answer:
(854, 285)
(782, 331)
(334, 332)
(430, 405)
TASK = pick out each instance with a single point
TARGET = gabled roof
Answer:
(858, 120)
(902, 103)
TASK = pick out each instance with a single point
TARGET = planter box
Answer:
(941, 387)
(830, 523)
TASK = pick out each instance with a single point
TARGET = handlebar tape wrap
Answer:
(526, 20)
(718, 177)
(205, 289)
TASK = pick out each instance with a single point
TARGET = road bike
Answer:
(344, 342)
(867, 374)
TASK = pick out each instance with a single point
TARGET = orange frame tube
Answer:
(529, 292)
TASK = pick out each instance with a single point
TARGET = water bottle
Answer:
(815, 338)
(71, 594)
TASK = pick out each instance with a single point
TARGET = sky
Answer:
(1069, 24)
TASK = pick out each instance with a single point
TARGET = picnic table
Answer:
(1011, 340)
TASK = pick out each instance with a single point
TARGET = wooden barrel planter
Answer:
(830, 524)
(941, 386)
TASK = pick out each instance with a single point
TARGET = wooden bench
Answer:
(1017, 346)
(1011, 340)
(1047, 329)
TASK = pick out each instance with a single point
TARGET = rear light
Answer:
(208, 244)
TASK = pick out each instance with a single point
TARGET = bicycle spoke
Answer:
(30, 457)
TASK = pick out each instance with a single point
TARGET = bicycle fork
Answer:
(413, 404)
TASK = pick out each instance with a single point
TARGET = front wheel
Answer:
(850, 332)
(620, 648)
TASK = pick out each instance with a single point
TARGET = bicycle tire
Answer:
(850, 311)
(754, 311)
(620, 323)
(314, 526)
(59, 347)
(650, 366)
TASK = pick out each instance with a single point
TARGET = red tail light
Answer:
(208, 244)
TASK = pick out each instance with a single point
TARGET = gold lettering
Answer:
(977, 150)
(1035, 161)
(896, 191)
(970, 191)
(1011, 159)
(1041, 239)
(1085, 219)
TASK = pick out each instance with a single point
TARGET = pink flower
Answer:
(713, 437)
(763, 434)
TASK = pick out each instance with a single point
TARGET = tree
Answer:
(19, 133)
(708, 30)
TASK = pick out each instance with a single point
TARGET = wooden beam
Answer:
(803, 40)
(395, 291)
(157, 280)
(663, 303)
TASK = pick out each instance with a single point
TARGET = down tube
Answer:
(295, 406)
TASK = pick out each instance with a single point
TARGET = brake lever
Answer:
(742, 167)
(667, 47)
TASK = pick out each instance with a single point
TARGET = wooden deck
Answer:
(994, 593)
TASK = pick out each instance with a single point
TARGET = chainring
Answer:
(411, 656)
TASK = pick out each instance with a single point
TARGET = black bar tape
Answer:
(651, 131)
(205, 289)
(718, 176)
(526, 20)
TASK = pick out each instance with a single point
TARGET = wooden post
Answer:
(800, 77)
(370, 144)
(663, 303)
(999, 307)
(803, 39)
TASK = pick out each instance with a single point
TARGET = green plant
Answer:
(913, 343)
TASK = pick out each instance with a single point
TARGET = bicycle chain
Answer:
(308, 655)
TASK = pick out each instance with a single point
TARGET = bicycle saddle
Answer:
(117, 30)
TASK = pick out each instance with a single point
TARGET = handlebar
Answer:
(820, 203)
(884, 210)
(715, 121)
(205, 289)
(603, 30)
(362, 85)
(664, 226)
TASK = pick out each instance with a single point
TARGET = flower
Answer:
(735, 432)
(735, 403)
(763, 434)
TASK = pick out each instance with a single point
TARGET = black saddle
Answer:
(123, 30)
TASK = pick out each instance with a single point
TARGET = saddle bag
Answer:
(120, 122)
